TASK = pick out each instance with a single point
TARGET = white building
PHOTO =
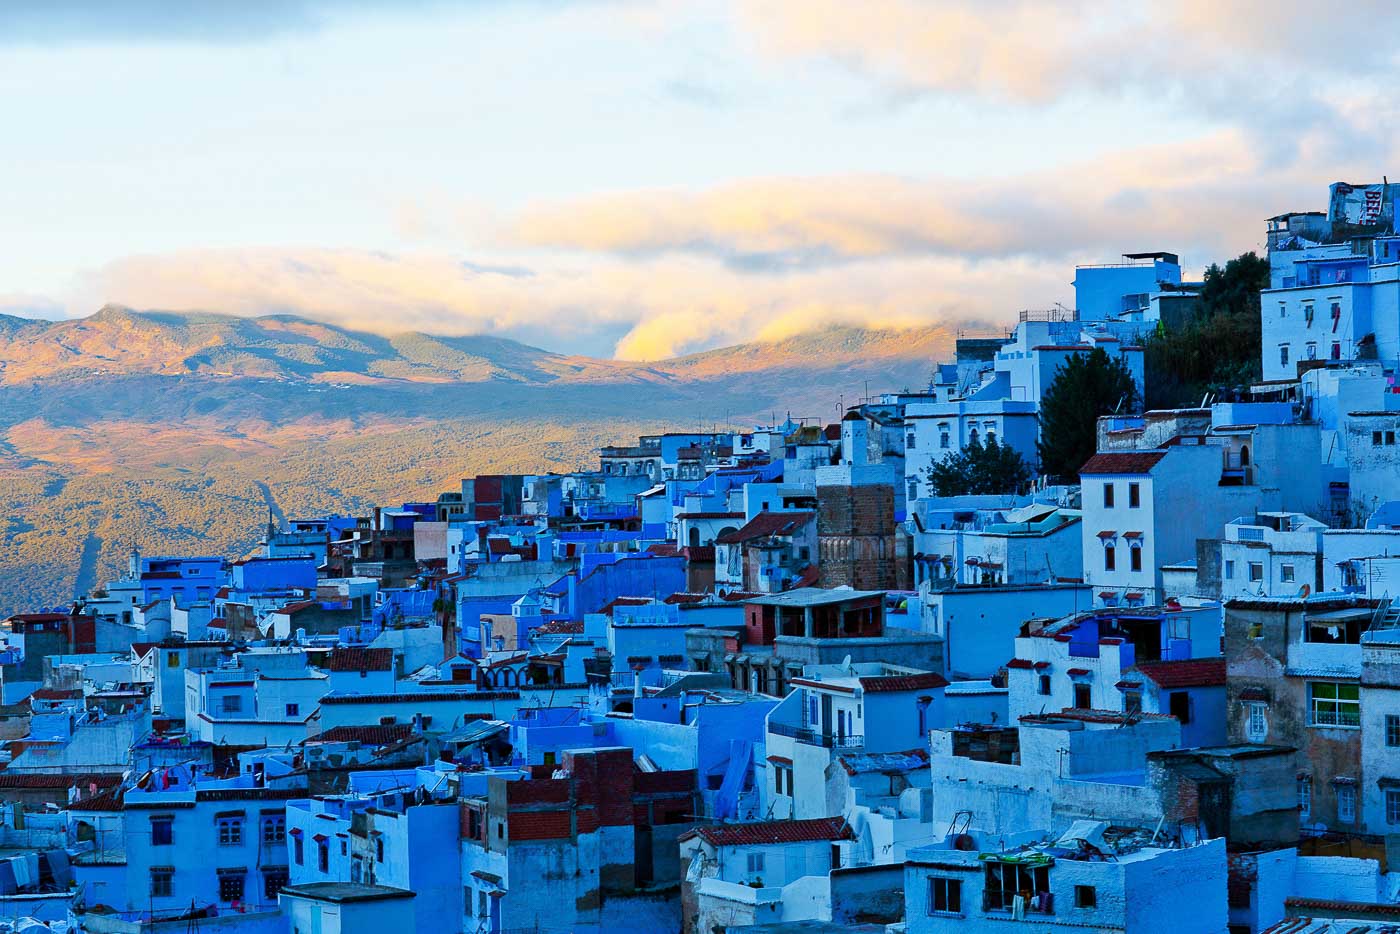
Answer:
(1083, 881)
(1271, 554)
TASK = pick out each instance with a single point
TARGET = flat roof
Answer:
(343, 892)
(815, 596)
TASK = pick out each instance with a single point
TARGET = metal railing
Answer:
(813, 738)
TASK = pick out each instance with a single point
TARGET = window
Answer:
(231, 885)
(274, 829)
(1283, 355)
(379, 849)
(1134, 495)
(1390, 438)
(1285, 573)
(1256, 572)
(1257, 726)
(1336, 351)
(1312, 350)
(1132, 701)
(1108, 496)
(1334, 704)
(944, 895)
(755, 863)
(230, 831)
(1045, 685)
(1086, 896)
(1179, 706)
(1304, 796)
(1392, 730)
(293, 710)
(231, 703)
(1307, 315)
(909, 441)
(162, 831)
(1110, 561)
(273, 882)
(943, 437)
(1083, 697)
(1376, 439)
(162, 881)
(1135, 559)
(1392, 806)
(323, 856)
(1346, 803)
(1229, 570)
(1006, 881)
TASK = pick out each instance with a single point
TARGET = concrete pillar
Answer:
(807, 621)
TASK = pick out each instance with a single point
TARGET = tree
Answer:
(1085, 387)
(1218, 349)
(980, 468)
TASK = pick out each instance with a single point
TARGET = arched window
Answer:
(1244, 455)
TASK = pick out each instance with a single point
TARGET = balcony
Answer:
(812, 738)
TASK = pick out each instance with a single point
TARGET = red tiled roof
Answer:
(774, 832)
(139, 649)
(1019, 663)
(1078, 672)
(560, 627)
(1188, 673)
(38, 617)
(360, 659)
(291, 608)
(368, 735)
(56, 694)
(767, 525)
(885, 684)
(47, 780)
(608, 608)
(1343, 909)
(710, 515)
(1122, 462)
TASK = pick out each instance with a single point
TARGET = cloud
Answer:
(1208, 196)
(218, 22)
(1038, 50)
(653, 308)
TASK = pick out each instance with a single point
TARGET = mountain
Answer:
(178, 432)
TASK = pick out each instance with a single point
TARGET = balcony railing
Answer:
(813, 738)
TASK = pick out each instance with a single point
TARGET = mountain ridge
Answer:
(123, 341)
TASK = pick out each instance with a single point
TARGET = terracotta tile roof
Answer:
(886, 684)
(56, 694)
(616, 602)
(1343, 909)
(767, 525)
(710, 515)
(1122, 462)
(377, 735)
(360, 659)
(774, 832)
(1019, 663)
(47, 780)
(560, 627)
(1189, 673)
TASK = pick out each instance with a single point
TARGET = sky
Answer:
(643, 179)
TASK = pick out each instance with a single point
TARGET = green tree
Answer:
(1085, 387)
(1218, 349)
(979, 468)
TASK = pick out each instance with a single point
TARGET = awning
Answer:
(1132, 535)
(1078, 672)
(1108, 534)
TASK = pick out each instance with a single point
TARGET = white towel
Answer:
(21, 868)
(1018, 907)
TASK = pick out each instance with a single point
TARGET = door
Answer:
(826, 716)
